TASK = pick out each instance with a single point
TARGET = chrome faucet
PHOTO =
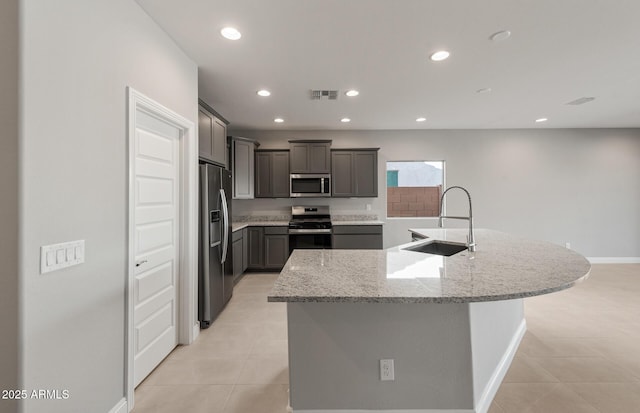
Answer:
(471, 241)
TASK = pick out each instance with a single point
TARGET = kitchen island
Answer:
(451, 325)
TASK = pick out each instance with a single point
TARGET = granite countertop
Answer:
(236, 226)
(503, 267)
(371, 222)
(241, 222)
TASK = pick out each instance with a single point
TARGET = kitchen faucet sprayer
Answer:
(471, 241)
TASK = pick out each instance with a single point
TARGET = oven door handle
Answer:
(309, 231)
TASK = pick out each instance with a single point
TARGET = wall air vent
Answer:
(324, 94)
(581, 101)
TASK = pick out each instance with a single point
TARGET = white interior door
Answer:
(156, 242)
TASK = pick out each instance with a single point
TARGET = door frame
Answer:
(187, 327)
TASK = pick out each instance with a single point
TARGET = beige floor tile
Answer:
(203, 371)
(189, 398)
(516, 397)
(265, 370)
(610, 397)
(560, 400)
(495, 408)
(585, 370)
(526, 370)
(206, 348)
(532, 346)
(269, 347)
(267, 398)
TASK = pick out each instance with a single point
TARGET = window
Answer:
(414, 188)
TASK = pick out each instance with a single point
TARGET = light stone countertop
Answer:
(373, 222)
(236, 226)
(503, 267)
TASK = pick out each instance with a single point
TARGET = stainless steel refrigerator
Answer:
(215, 269)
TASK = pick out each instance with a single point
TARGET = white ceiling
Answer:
(559, 51)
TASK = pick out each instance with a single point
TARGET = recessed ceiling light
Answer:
(278, 120)
(439, 55)
(501, 35)
(540, 120)
(345, 120)
(484, 90)
(231, 33)
(421, 119)
(351, 93)
(263, 92)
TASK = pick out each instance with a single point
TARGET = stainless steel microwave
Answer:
(310, 185)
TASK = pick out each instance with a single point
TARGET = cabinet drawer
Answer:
(357, 229)
(236, 235)
(276, 230)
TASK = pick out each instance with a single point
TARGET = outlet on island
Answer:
(386, 370)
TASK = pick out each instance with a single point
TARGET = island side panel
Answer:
(496, 330)
(335, 349)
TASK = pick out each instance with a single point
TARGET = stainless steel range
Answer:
(310, 227)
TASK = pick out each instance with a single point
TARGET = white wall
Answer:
(561, 185)
(78, 58)
(9, 145)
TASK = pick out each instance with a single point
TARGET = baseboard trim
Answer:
(490, 390)
(614, 260)
(120, 407)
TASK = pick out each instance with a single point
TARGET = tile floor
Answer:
(581, 353)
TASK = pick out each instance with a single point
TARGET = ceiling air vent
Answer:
(581, 101)
(324, 94)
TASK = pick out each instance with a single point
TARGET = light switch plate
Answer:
(57, 256)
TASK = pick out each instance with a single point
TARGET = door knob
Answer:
(140, 263)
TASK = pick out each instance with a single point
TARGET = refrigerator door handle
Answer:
(225, 226)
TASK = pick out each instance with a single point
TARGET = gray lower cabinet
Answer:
(357, 171)
(236, 252)
(268, 247)
(276, 247)
(256, 248)
(272, 173)
(359, 237)
(245, 249)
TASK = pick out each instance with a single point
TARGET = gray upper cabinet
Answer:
(272, 173)
(242, 165)
(212, 135)
(354, 172)
(310, 157)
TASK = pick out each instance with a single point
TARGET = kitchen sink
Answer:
(444, 248)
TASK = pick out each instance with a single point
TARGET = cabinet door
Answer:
(205, 134)
(299, 152)
(236, 250)
(243, 173)
(219, 142)
(342, 173)
(365, 173)
(276, 251)
(245, 249)
(280, 181)
(319, 158)
(256, 247)
(263, 175)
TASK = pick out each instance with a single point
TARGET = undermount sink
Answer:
(444, 248)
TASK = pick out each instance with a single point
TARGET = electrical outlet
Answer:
(386, 370)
